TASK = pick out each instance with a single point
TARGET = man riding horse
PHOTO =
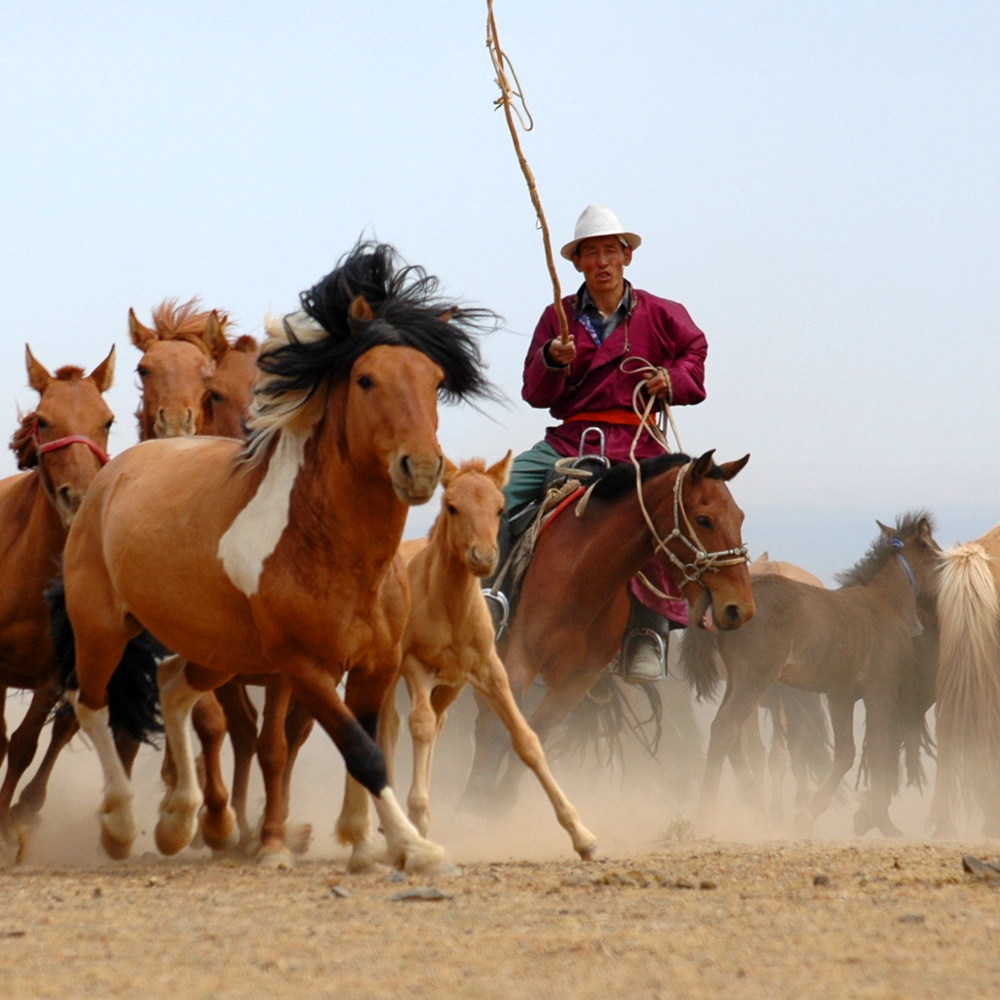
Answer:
(615, 330)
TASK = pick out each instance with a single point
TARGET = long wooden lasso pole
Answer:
(502, 64)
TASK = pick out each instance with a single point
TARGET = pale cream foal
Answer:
(448, 640)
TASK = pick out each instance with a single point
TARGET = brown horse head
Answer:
(721, 596)
(228, 391)
(66, 436)
(470, 512)
(179, 354)
(913, 540)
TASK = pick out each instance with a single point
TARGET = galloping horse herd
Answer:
(253, 537)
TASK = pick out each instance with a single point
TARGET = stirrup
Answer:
(499, 607)
(625, 661)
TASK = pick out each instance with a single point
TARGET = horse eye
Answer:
(107, 426)
(500, 512)
(216, 396)
(452, 509)
(42, 425)
(143, 371)
(365, 382)
(703, 522)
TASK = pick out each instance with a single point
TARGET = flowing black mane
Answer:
(620, 478)
(407, 311)
(880, 551)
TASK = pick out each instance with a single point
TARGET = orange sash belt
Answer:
(625, 418)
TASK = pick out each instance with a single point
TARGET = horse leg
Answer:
(32, 798)
(423, 731)
(218, 820)
(491, 678)
(316, 688)
(178, 820)
(272, 755)
(388, 731)
(746, 756)
(3, 723)
(23, 744)
(739, 702)
(241, 722)
(777, 765)
(298, 725)
(842, 722)
(883, 763)
(492, 745)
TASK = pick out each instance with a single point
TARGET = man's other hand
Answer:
(659, 387)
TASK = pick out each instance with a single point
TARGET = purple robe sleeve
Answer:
(543, 384)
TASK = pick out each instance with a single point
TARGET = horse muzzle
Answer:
(416, 477)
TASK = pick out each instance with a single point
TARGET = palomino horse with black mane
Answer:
(195, 382)
(61, 445)
(574, 601)
(279, 555)
(852, 643)
(968, 685)
(448, 641)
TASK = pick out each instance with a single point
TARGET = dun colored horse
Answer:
(852, 643)
(968, 685)
(61, 445)
(449, 640)
(280, 555)
(574, 603)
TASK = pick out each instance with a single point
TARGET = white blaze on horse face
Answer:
(257, 529)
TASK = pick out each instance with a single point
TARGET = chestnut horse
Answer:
(280, 555)
(62, 445)
(194, 381)
(574, 603)
(448, 641)
(852, 643)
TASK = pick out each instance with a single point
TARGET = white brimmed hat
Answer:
(596, 220)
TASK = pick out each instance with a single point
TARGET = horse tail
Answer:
(607, 714)
(968, 680)
(133, 692)
(699, 661)
(800, 718)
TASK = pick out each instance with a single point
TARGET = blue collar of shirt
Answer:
(601, 327)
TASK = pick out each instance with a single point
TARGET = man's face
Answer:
(602, 260)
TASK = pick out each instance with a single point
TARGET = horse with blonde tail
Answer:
(968, 685)
(289, 557)
(449, 640)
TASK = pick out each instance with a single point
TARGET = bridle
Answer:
(65, 442)
(58, 445)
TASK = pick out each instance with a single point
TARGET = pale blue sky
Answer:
(817, 183)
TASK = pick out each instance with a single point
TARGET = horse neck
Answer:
(39, 531)
(620, 542)
(892, 585)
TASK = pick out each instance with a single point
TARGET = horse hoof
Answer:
(219, 832)
(278, 858)
(365, 855)
(117, 850)
(13, 845)
(889, 829)
(589, 853)
(176, 829)
(299, 837)
(428, 859)
(863, 821)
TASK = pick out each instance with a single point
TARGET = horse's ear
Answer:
(925, 532)
(141, 335)
(500, 472)
(886, 530)
(246, 345)
(38, 375)
(215, 339)
(700, 467)
(446, 316)
(730, 469)
(103, 375)
(450, 471)
(360, 310)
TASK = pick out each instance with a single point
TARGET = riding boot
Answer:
(644, 648)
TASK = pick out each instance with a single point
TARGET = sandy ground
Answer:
(664, 914)
(692, 919)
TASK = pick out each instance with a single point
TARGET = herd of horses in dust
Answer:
(253, 537)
